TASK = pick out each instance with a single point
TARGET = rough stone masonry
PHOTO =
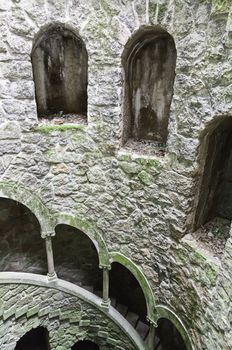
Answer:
(141, 203)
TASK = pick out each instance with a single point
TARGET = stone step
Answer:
(113, 302)
(98, 293)
(142, 328)
(132, 318)
(123, 309)
(89, 288)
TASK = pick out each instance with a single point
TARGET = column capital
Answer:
(105, 267)
(48, 234)
(152, 322)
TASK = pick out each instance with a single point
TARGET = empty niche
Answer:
(149, 64)
(60, 71)
(213, 212)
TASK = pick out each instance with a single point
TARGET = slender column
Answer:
(50, 260)
(151, 335)
(105, 292)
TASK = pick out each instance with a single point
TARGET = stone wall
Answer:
(66, 317)
(142, 204)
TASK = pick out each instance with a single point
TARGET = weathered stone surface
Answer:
(141, 205)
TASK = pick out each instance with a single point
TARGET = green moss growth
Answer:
(145, 178)
(47, 128)
(221, 6)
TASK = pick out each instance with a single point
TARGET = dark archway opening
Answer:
(60, 70)
(21, 247)
(214, 207)
(149, 65)
(167, 337)
(128, 298)
(76, 258)
(36, 339)
(85, 345)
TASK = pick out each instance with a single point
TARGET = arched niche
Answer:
(21, 247)
(214, 197)
(167, 337)
(60, 70)
(35, 339)
(128, 298)
(171, 333)
(149, 63)
(142, 280)
(76, 258)
(85, 345)
(90, 230)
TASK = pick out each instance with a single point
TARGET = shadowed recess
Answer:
(167, 336)
(36, 339)
(85, 345)
(149, 65)
(60, 69)
(76, 258)
(21, 248)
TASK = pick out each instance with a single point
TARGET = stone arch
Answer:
(87, 228)
(19, 193)
(142, 280)
(165, 312)
(60, 70)
(85, 344)
(38, 335)
(149, 61)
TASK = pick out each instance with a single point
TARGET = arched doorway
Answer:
(167, 337)
(128, 298)
(35, 339)
(21, 247)
(85, 345)
(76, 258)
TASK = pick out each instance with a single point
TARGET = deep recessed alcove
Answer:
(60, 70)
(76, 258)
(128, 298)
(35, 339)
(85, 345)
(167, 337)
(214, 199)
(149, 61)
(21, 247)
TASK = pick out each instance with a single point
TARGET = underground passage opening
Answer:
(76, 258)
(214, 209)
(21, 247)
(128, 298)
(167, 337)
(149, 64)
(35, 339)
(85, 345)
(60, 71)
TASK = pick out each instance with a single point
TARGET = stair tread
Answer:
(122, 309)
(132, 318)
(89, 288)
(142, 328)
(113, 302)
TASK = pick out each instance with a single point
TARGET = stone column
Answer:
(151, 335)
(50, 260)
(105, 292)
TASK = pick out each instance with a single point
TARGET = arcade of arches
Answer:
(22, 249)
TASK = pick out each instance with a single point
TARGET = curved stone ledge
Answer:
(73, 290)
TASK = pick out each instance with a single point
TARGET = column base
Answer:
(105, 304)
(51, 277)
